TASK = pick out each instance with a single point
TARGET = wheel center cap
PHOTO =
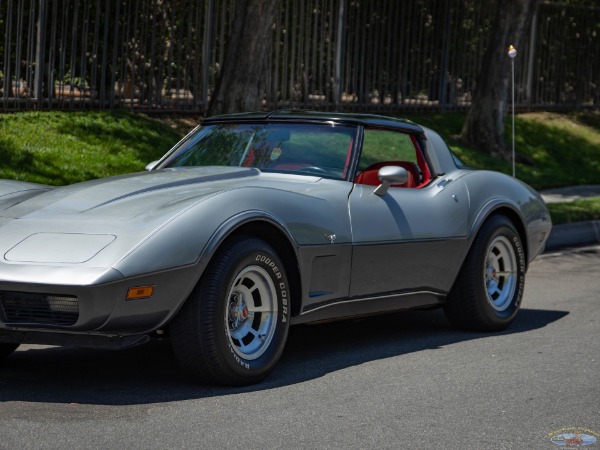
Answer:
(238, 312)
(243, 312)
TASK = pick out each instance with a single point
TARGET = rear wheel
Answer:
(234, 325)
(6, 349)
(488, 291)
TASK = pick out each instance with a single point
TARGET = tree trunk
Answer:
(242, 83)
(484, 125)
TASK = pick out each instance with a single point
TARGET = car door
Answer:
(412, 238)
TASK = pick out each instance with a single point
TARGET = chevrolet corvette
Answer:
(257, 221)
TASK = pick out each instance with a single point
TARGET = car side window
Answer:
(391, 148)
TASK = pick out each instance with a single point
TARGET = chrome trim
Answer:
(362, 299)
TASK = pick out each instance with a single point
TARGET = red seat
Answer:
(370, 177)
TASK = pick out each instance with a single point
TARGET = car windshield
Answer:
(322, 150)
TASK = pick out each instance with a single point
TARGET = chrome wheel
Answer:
(232, 329)
(487, 293)
(500, 273)
(251, 314)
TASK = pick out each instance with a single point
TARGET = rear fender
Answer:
(505, 208)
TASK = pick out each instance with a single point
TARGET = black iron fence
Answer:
(367, 55)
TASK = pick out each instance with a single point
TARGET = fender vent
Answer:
(30, 308)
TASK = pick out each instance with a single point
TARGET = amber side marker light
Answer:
(139, 292)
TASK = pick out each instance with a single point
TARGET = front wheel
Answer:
(488, 291)
(234, 325)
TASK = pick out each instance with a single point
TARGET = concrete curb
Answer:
(574, 235)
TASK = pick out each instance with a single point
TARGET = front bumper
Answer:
(28, 309)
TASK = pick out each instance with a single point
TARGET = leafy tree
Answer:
(484, 125)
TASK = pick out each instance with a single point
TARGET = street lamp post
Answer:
(512, 53)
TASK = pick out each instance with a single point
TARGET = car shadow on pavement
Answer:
(151, 374)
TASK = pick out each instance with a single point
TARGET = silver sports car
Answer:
(255, 222)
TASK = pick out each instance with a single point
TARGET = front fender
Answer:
(233, 223)
(192, 236)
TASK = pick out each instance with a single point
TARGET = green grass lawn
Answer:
(564, 148)
(61, 148)
(577, 211)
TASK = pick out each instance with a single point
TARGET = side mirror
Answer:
(390, 175)
(151, 165)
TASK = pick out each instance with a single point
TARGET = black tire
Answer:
(6, 349)
(488, 291)
(220, 336)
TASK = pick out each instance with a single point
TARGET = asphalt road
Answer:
(400, 381)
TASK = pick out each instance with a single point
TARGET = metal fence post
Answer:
(339, 52)
(531, 59)
(443, 91)
(206, 52)
(39, 53)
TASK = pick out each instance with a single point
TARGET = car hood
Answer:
(80, 231)
(128, 196)
(95, 232)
